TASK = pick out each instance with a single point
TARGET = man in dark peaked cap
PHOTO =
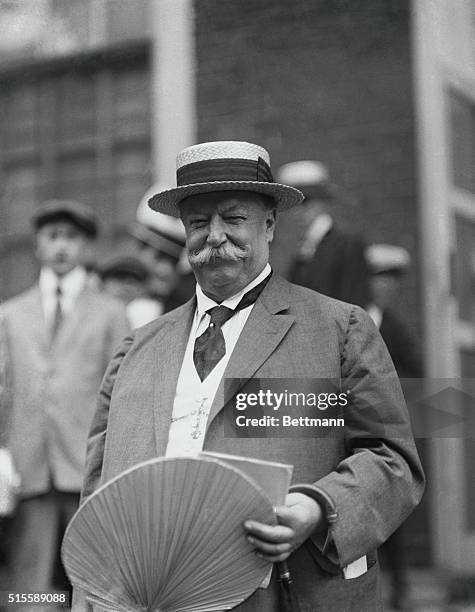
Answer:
(244, 323)
(58, 337)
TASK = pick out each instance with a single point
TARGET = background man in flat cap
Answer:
(245, 323)
(330, 258)
(59, 337)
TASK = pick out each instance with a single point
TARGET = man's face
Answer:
(124, 288)
(61, 246)
(164, 272)
(227, 239)
(384, 289)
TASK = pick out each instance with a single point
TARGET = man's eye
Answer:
(198, 222)
(234, 218)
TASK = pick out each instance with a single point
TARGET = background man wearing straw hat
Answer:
(165, 392)
(161, 243)
(388, 265)
(330, 259)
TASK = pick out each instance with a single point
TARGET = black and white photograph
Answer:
(237, 305)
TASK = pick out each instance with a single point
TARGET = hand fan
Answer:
(167, 536)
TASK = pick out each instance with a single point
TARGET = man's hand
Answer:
(298, 519)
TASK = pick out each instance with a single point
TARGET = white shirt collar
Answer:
(72, 283)
(204, 303)
(376, 314)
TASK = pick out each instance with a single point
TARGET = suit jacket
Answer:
(52, 388)
(373, 473)
(338, 268)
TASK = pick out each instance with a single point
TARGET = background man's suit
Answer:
(291, 333)
(52, 392)
(401, 345)
(405, 355)
(337, 268)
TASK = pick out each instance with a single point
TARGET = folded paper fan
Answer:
(167, 536)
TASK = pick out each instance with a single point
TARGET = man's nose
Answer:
(216, 232)
(61, 244)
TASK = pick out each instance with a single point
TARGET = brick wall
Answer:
(322, 79)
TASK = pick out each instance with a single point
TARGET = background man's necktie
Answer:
(210, 347)
(58, 313)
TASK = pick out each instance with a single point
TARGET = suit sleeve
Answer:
(381, 480)
(96, 445)
(98, 432)
(119, 328)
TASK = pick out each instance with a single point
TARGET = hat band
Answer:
(220, 170)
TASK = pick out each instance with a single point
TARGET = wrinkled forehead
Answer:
(224, 201)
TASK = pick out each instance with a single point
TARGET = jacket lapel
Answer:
(36, 320)
(169, 350)
(262, 333)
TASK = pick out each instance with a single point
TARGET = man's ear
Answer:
(271, 220)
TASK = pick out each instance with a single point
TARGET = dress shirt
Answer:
(71, 283)
(193, 398)
(142, 310)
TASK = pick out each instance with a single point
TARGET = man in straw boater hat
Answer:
(389, 265)
(245, 323)
(161, 243)
(330, 258)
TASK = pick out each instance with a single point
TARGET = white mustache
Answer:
(201, 257)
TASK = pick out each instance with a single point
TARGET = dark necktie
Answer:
(210, 347)
(58, 313)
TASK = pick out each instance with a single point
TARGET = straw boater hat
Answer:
(387, 259)
(311, 177)
(161, 232)
(223, 166)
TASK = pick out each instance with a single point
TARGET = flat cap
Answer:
(78, 213)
